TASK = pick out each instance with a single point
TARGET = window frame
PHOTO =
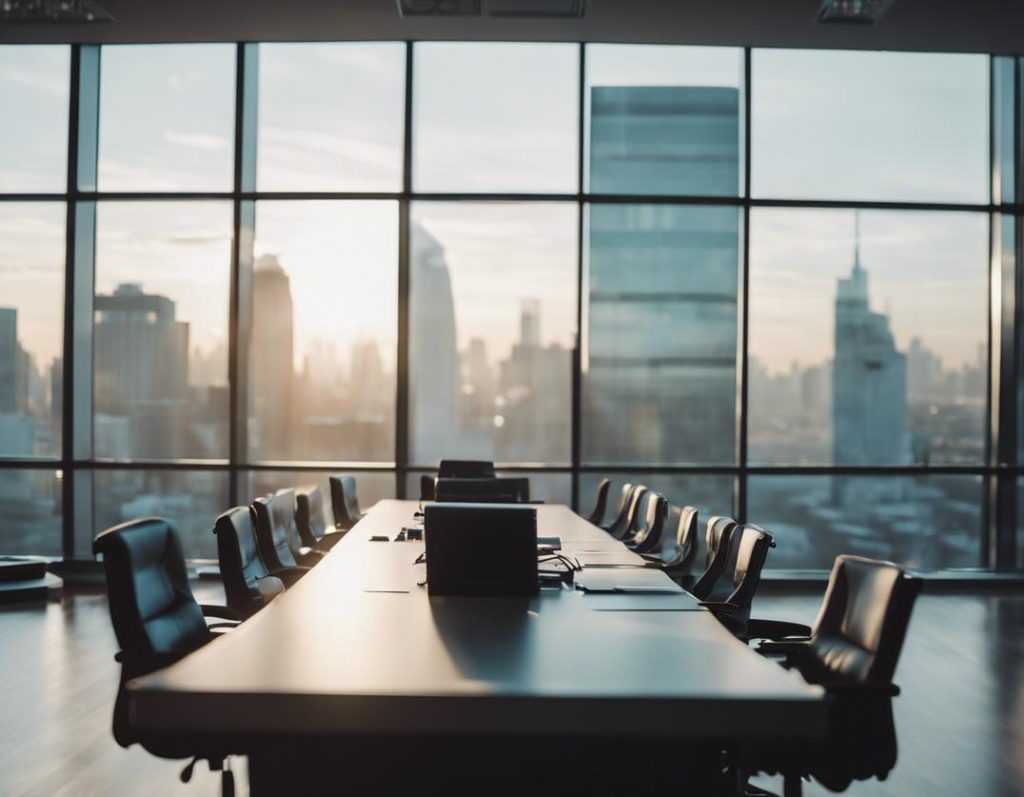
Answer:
(1000, 470)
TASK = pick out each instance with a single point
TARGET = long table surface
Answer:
(358, 647)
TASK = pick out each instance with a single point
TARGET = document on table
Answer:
(626, 580)
(619, 558)
(641, 602)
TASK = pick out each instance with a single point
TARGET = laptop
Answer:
(481, 549)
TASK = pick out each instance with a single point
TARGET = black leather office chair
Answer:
(681, 522)
(277, 537)
(248, 584)
(502, 491)
(309, 518)
(717, 532)
(731, 595)
(596, 515)
(345, 502)
(853, 651)
(465, 469)
(624, 495)
(623, 522)
(649, 524)
(426, 488)
(157, 621)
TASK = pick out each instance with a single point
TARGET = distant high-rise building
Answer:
(869, 380)
(141, 366)
(478, 385)
(9, 350)
(924, 371)
(532, 420)
(273, 365)
(141, 348)
(529, 322)
(660, 368)
(57, 388)
(434, 382)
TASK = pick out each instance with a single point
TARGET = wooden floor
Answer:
(960, 719)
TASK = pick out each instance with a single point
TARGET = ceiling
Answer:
(995, 26)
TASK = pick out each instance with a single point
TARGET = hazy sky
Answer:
(494, 117)
(167, 117)
(32, 273)
(928, 270)
(181, 250)
(34, 140)
(870, 126)
(331, 117)
(342, 261)
(499, 254)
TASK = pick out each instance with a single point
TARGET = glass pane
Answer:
(1004, 111)
(664, 120)
(370, 487)
(870, 125)
(492, 323)
(660, 372)
(496, 117)
(331, 117)
(711, 494)
(34, 87)
(31, 328)
(868, 350)
(191, 500)
(324, 331)
(30, 513)
(920, 521)
(1020, 524)
(160, 329)
(167, 117)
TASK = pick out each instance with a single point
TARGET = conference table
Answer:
(356, 681)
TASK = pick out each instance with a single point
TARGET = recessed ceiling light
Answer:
(49, 11)
(491, 8)
(857, 12)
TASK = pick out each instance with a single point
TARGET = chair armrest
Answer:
(719, 607)
(855, 688)
(328, 541)
(309, 557)
(775, 629)
(787, 648)
(223, 612)
(289, 575)
(652, 559)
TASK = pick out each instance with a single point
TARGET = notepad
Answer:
(624, 580)
(619, 558)
(641, 602)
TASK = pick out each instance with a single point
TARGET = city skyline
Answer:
(491, 345)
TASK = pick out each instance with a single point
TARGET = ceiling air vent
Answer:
(49, 11)
(491, 8)
(856, 12)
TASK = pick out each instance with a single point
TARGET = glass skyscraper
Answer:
(661, 355)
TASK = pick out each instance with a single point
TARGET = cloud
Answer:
(40, 80)
(206, 141)
(197, 238)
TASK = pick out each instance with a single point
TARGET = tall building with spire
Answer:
(273, 367)
(869, 378)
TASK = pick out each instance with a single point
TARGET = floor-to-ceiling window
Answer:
(773, 283)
